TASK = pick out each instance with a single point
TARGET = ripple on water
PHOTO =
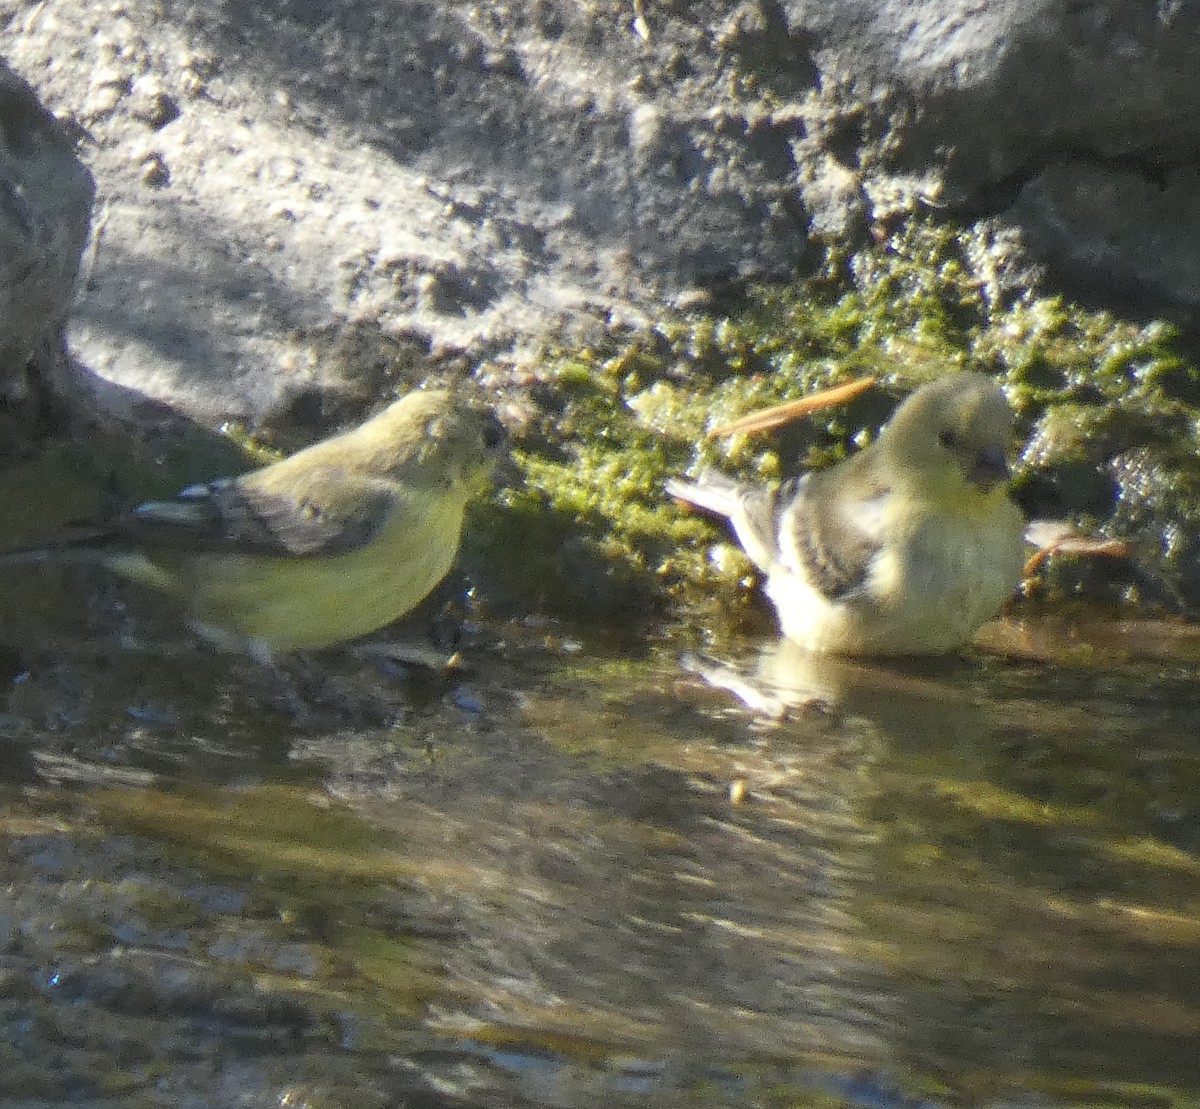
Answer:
(605, 880)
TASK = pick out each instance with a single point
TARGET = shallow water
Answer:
(576, 875)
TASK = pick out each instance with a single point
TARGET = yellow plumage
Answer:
(329, 544)
(905, 548)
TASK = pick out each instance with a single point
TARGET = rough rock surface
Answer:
(469, 175)
(1084, 114)
(464, 177)
(45, 202)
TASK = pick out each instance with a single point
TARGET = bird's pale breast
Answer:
(933, 583)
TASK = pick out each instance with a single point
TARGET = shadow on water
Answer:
(570, 877)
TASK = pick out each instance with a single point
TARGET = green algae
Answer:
(1108, 408)
(620, 417)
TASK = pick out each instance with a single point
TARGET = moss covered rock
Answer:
(1107, 408)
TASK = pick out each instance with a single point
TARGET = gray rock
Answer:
(45, 205)
(953, 99)
(472, 176)
(1073, 123)
(1115, 230)
(463, 178)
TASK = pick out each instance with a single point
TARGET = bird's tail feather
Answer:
(751, 511)
(711, 491)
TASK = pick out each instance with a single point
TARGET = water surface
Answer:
(578, 875)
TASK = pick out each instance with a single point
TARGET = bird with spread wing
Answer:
(907, 547)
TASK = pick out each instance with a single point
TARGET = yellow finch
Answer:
(331, 543)
(905, 548)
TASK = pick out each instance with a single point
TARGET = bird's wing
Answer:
(806, 527)
(827, 538)
(748, 508)
(336, 511)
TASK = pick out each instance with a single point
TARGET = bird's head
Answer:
(434, 436)
(956, 430)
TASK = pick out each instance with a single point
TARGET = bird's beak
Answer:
(990, 468)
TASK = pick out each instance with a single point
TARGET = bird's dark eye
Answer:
(948, 439)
